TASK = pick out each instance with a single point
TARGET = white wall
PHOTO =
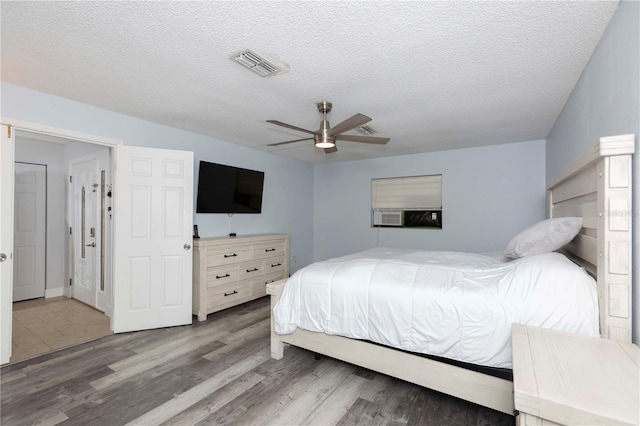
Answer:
(77, 149)
(56, 157)
(288, 188)
(489, 194)
(606, 102)
(51, 154)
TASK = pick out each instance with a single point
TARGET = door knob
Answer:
(3, 257)
(187, 246)
(91, 245)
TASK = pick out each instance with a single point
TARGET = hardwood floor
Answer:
(215, 372)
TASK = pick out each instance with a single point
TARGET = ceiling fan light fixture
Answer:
(325, 144)
(325, 137)
(324, 140)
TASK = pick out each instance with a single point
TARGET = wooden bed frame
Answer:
(596, 186)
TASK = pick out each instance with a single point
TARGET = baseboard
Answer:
(53, 292)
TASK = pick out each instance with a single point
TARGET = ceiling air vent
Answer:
(256, 63)
(367, 130)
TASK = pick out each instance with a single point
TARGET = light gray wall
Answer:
(288, 188)
(489, 194)
(606, 102)
(51, 154)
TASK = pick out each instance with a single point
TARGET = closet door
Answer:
(30, 231)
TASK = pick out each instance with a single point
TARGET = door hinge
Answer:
(9, 131)
(70, 179)
(70, 282)
(70, 231)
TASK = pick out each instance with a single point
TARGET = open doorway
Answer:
(152, 232)
(51, 317)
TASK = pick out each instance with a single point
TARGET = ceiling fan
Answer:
(325, 137)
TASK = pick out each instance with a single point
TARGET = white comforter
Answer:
(455, 305)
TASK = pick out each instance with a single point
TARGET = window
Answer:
(412, 201)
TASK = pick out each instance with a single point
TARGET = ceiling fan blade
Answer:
(280, 123)
(284, 143)
(363, 139)
(349, 123)
(330, 150)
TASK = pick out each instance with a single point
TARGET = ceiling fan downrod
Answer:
(323, 139)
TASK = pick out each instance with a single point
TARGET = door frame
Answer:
(7, 195)
(6, 304)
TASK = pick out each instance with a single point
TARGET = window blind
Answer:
(407, 193)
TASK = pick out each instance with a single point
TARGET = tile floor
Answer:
(43, 325)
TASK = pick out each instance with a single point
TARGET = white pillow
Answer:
(548, 235)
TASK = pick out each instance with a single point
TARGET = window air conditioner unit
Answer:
(387, 218)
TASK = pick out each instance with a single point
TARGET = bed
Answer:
(596, 187)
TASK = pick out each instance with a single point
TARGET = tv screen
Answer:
(227, 189)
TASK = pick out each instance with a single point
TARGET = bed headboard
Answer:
(597, 187)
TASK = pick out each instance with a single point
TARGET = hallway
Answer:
(43, 325)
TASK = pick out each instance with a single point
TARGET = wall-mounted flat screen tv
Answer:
(227, 189)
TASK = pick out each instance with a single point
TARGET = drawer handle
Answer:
(272, 281)
(271, 249)
(230, 255)
(273, 265)
(222, 276)
(229, 294)
(252, 270)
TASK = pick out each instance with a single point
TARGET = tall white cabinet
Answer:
(228, 271)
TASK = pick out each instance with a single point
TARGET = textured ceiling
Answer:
(432, 75)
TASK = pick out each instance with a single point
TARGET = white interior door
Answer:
(153, 205)
(6, 241)
(85, 194)
(29, 236)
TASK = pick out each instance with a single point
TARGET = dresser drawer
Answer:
(222, 275)
(226, 256)
(275, 264)
(268, 249)
(260, 284)
(229, 271)
(227, 293)
(251, 269)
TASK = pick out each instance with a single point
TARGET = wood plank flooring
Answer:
(214, 373)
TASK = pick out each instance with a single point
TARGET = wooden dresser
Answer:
(228, 271)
